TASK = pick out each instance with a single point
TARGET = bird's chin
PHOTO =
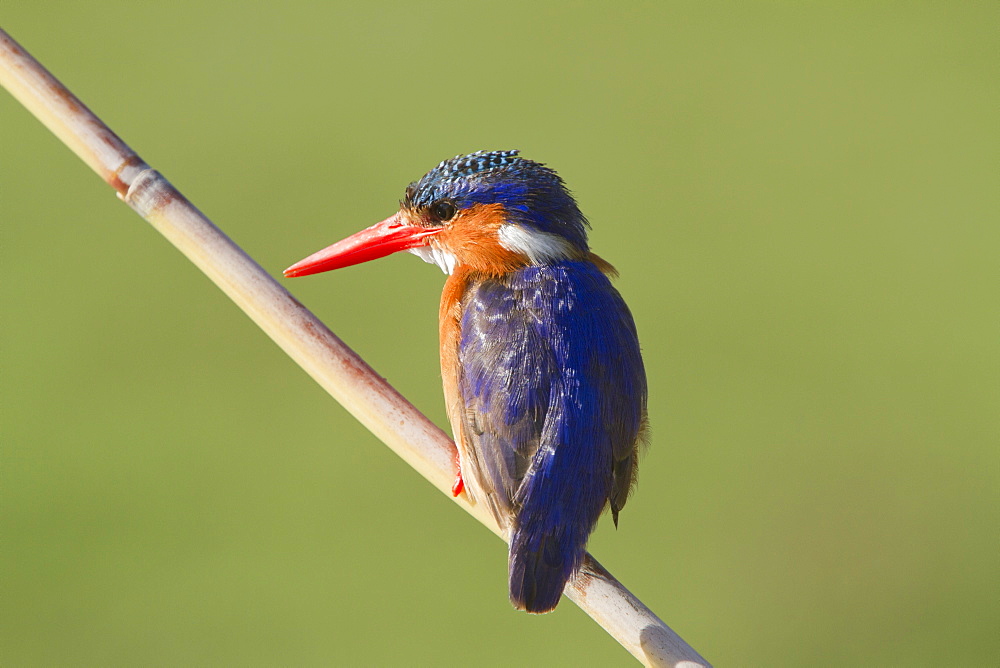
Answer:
(438, 256)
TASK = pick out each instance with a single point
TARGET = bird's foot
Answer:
(459, 485)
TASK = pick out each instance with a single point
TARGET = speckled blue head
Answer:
(532, 194)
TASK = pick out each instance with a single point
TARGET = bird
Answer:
(543, 377)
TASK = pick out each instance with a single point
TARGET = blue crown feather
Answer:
(480, 161)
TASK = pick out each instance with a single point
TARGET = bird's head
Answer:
(491, 212)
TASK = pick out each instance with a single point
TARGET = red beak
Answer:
(392, 235)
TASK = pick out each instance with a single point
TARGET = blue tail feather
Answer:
(543, 557)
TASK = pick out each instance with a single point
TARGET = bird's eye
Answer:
(443, 209)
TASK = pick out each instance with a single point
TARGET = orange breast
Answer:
(450, 332)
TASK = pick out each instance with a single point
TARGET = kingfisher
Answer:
(540, 362)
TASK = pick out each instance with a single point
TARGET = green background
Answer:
(802, 200)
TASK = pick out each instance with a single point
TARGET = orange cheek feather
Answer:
(472, 239)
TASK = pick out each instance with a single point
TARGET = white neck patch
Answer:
(434, 255)
(540, 247)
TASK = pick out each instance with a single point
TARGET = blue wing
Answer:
(555, 396)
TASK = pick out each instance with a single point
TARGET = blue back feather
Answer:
(555, 396)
